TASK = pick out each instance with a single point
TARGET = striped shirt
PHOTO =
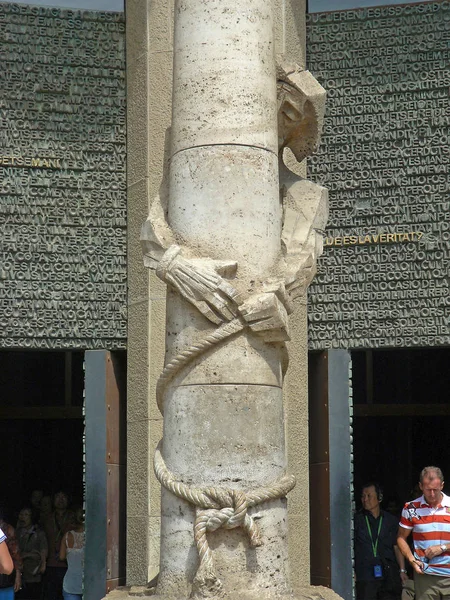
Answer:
(430, 527)
(2, 536)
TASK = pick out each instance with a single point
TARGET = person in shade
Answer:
(35, 503)
(72, 550)
(45, 510)
(379, 565)
(428, 518)
(33, 550)
(56, 526)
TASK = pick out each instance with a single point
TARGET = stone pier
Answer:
(235, 236)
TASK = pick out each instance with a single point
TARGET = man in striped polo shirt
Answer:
(428, 517)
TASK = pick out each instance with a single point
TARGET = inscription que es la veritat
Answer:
(62, 173)
(383, 280)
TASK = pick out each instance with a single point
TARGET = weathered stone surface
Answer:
(234, 258)
(232, 205)
(318, 592)
(224, 75)
(239, 422)
(149, 89)
(306, 593)
(305, 216)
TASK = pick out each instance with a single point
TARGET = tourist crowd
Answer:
(46, 547)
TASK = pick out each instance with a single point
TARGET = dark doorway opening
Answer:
(41, 426)
(401, 417)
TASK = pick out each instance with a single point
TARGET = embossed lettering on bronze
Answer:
(62, 178)
(383, 279)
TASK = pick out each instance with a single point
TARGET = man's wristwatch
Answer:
(402, 570)
(444, 547)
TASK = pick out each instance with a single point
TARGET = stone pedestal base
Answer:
(311, 592)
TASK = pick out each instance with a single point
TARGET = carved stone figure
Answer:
(301, 108)
(236, 245)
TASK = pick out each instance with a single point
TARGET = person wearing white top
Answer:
(6, 563)
(72, 550)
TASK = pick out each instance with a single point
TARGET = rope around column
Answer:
(219, 507)
(186, 356)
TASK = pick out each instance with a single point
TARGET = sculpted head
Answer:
(301, 108)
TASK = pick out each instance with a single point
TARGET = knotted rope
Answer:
(215, 506)
(219, 507)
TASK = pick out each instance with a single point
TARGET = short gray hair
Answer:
(428, 471)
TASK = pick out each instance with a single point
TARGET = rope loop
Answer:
(218, 507)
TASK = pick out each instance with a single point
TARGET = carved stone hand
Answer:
(199, 280)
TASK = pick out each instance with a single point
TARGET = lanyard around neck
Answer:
(369, 529)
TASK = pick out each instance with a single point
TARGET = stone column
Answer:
(235, 257)
(224, 416)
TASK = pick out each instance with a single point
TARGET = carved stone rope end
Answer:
(219, 507)
(206, 582)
